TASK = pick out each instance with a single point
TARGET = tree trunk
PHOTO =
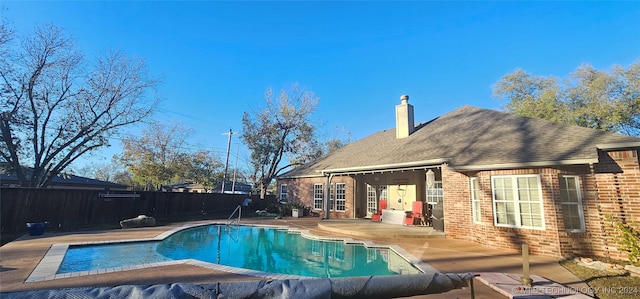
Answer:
(263, 191)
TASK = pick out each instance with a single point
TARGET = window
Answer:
(384, 193)
(331, 201)
(517, 201)
(318, 196)
(283, 192)
(475, 199)
(571, 202)
(434, 195)
(341, 198)
(372, 204)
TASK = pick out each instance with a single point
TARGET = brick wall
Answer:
(459, 222)
(617, 181)
(301, 190)
(611, 187)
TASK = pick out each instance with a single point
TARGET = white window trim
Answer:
(321, 198)
(332, 195)
(341, 200)
(372, 204)
(285, 193)
(435, 192)
(582, 228)
(517, 203)
(475, 200)
(384, 193)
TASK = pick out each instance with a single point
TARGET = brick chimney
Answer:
(404, 118)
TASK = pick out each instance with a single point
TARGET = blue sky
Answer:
(217, 58)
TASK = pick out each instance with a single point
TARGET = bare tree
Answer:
(55, 106)
(5, 34)
(281, 136)
(112, 171)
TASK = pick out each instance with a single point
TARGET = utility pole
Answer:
(235, 169)
(226, 163)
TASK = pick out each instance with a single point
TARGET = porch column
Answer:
(354, 204)
(327, 189)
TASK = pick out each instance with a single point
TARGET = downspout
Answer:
(555, 212)
(601, 217)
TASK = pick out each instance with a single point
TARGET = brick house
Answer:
(490, 177)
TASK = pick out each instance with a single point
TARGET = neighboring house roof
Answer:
(10, 179)
(238, 187)
(186, 185)
(471, 138)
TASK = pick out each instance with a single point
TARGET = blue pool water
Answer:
(257, 248)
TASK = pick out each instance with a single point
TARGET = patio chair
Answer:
(378, 215)
(418, 213)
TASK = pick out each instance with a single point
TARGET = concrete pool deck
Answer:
(19, 258)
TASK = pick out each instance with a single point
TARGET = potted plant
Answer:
(36, 228)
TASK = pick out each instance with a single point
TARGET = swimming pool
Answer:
(262, 249)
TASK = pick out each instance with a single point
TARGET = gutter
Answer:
(621, 145)
(523, 165)
(318, 175)
(385, 167)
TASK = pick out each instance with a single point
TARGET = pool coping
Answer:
(48, 266)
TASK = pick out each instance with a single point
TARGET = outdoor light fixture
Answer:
(431, 179)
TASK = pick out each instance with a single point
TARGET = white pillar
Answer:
(327, 189)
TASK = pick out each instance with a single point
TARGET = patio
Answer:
(20, 257)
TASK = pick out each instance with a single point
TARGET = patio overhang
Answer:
(384, 167)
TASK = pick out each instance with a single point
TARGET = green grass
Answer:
(606, 285)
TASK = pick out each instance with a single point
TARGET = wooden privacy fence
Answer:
(71, 207)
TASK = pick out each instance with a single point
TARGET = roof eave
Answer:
(523, 165)
(385, 167)
(618, 145)
(299, 176)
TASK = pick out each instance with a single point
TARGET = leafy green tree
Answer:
(56, 106)
(151, 158)
(124, 177)
(604, 100)
(161, 157)
(200, 167)
(281, 135)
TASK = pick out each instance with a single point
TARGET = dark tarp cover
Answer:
(352, 287)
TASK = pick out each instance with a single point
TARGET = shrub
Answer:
(629, 237)
(273, 208)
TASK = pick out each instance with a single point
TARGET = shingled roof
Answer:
(8, 178)
(471, 138)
